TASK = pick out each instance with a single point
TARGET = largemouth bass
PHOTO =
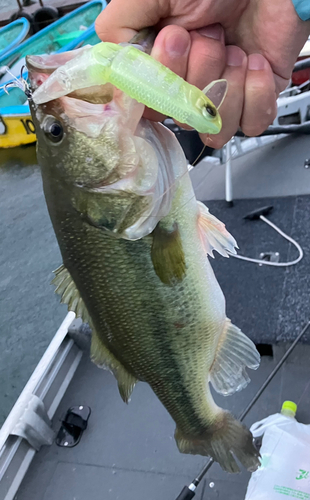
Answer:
(134, 242)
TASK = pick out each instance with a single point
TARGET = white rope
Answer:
(275, 264)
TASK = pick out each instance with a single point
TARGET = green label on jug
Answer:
(284, 490)
(302, 474)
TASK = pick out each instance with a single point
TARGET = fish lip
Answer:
(35, 63)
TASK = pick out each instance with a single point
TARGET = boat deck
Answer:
(128, 452)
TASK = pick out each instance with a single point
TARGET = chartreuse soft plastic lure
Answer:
(141, 77)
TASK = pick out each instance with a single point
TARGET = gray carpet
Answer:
(269, 304)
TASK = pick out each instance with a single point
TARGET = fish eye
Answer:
(210, 110)
(53, 129)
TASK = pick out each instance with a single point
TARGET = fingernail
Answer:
(214, 31)
(234, 56)
(177, 45)
(256, 62)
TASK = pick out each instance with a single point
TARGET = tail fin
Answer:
(229, 437)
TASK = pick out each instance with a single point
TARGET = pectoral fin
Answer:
(167, 254)
(213, 233)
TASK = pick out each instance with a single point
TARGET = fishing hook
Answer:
(20, 83)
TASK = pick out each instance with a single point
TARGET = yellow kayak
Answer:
(16, 127)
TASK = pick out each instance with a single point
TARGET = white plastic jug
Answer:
(285, 458)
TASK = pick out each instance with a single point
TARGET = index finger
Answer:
(120, 20)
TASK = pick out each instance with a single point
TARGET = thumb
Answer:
(120, 20)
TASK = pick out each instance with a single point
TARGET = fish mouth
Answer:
(41, 67)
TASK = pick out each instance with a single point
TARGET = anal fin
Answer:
(213, 233)
(234, 353)
(102, 357)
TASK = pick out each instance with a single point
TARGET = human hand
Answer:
(253, 44)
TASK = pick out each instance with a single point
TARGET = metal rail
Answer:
(28, 424)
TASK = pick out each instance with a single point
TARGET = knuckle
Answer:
(208, 49)
(104, 30)
(99, 27)
(212, 56)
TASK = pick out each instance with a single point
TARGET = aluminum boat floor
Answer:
(129, 453)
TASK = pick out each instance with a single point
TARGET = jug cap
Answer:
(289, 405)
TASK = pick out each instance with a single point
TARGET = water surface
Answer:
(30, 312)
